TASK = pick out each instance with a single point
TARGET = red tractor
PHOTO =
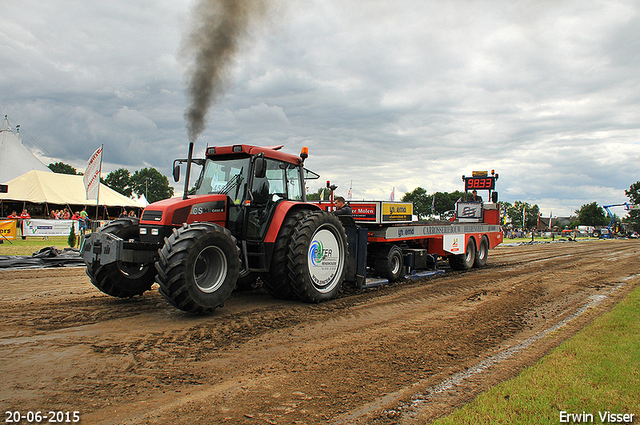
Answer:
(247, 219)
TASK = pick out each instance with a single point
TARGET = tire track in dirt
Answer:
(259, 359)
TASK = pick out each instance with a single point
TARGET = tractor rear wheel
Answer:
(317, 257)
(277, 281)
(464, 261)
(120, 279)
(198, 267)
(388, 262)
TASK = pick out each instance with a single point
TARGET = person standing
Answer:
(342, 208)
(84, 221)
(475, 197)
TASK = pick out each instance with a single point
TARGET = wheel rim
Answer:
(210, 269)
(395, 265)
(469, 256)
(132, 270)
(482, 251)
(325, 265)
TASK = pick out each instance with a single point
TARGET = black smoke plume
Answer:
(219, 26)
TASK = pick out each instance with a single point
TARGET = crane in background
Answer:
(611, 228)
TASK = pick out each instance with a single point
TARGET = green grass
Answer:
(30, 245)
(595, 371)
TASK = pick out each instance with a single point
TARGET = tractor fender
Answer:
(282, 209)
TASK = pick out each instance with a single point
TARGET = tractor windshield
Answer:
(224, 177)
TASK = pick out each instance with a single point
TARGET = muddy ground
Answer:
(406, 353)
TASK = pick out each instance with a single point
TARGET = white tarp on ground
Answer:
(41, 187)
(15, 158)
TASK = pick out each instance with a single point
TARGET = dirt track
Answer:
(406, 353)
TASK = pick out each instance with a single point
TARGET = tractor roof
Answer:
(269, 152)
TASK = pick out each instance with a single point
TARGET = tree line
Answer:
(155, 186)
(147, 181)
(520, 213)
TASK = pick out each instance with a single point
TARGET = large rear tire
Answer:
(482, 253)
(198, 267)
(120, 279)
(388, 262)
(464, 261)
(317, 256)
(277, 281)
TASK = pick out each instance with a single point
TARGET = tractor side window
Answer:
(294, 186)
(272, 184)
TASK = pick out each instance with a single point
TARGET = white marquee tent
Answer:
(15, 158)
(40, 187)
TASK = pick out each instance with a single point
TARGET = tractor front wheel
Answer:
(198, 267)
(121, 279)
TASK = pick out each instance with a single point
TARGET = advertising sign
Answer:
(469, 211)
(35, 227)
(8, 229)
(364, 212)
(395, 211)
(454, 243)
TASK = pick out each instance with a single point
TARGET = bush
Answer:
(72, 237)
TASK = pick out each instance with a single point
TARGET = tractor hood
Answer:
(176, 211)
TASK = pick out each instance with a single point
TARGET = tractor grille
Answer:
(151, 215)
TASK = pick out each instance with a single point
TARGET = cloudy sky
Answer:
(384, 93)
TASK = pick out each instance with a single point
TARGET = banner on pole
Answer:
(92, 174)
(8, 229)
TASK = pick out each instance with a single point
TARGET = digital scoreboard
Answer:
(477, 183)
(480, 180)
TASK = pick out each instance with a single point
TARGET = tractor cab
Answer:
(254, 181)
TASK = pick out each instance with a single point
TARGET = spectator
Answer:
(25, 214)
(84, 221)
(14, 215)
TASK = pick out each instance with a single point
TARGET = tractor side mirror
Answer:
(260, 168)
(494, 197)
(176, 173)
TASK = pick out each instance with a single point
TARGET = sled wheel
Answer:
(482, 253)
(198, 267)
(121, 279)
(464, 261)
(317, 256)
(388, 263)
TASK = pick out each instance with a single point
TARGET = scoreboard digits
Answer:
(486, 183)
